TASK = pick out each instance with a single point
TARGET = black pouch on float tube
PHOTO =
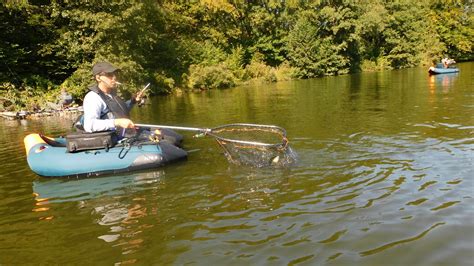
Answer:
(91, 141)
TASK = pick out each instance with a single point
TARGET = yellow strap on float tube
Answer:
(31, 140)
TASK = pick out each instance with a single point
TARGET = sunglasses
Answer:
(109, 75)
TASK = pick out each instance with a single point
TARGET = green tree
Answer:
(323, 42)
(25, 30)
(454, 25)
(406, 33)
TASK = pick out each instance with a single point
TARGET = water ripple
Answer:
(399, 242)
(361, 181)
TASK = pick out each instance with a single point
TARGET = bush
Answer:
(210, 77)
(381, 63)
(257, 69)
(34, 91)
(77, 84)
(284, 72)
(164, 83)
(235, 62)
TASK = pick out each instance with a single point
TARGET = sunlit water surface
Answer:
(384, 177)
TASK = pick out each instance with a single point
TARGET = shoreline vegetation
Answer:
(184, 46)
(38, 114)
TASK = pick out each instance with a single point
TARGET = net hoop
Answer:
(253, 144)
(275, 129)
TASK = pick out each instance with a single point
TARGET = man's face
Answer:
(107, 80)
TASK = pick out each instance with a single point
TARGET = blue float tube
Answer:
(49, 157)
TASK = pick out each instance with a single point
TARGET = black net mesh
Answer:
(254, 145)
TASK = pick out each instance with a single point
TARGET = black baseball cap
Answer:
(103, 67)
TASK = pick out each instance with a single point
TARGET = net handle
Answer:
(195, 129)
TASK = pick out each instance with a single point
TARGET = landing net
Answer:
(254, 145)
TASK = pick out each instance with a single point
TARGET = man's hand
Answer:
(139, 96)
(124, 123)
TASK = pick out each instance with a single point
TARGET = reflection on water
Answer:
(56, 190)
(443, 82)
(383, 178)
(104, 197)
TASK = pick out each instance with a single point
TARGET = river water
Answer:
(384, 177)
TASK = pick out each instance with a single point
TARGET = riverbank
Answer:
(20, 115)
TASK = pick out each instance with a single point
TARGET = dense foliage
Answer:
(203, 44)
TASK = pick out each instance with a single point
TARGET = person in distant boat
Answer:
(103, 108)
(65, 99)
(444, 62)
(447, 61)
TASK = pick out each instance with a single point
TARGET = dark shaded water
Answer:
(384, 178)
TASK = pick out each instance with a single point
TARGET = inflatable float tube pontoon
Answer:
(439, 69)
(49, 157)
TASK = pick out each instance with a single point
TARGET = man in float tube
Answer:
(103, 108)
(106, 111)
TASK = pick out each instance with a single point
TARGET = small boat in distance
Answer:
(439, 69)
(444, 67)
